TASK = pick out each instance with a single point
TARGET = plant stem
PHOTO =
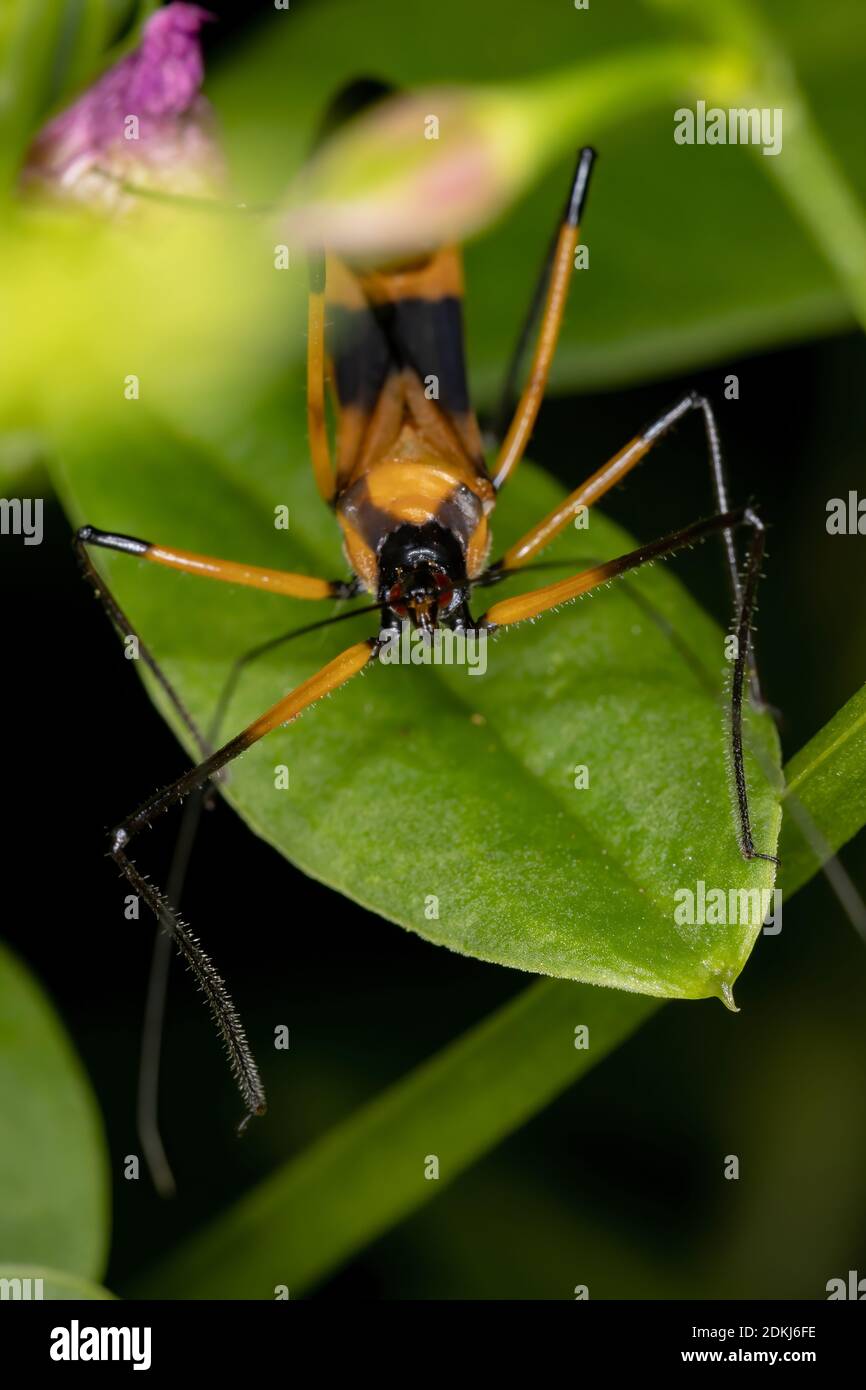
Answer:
(369, 1173)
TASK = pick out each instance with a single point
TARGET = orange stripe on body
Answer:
(409, 490)
(432, 278)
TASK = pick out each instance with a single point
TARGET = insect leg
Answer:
(556, 282)
(124, 628)
(329, 678)
(748, 592)
(282, 582)
(147, 1108)
(537, 601)
(500, 418)
(150, 1054)
(277, 581)
(614, 470)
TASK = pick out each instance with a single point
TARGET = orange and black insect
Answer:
(414, 497)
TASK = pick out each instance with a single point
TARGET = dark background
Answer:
(618, 1184)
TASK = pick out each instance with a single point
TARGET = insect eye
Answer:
(445, 588)
(396, 600)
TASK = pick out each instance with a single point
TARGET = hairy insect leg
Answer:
(301, 586)
(334, 674)
(150, 1053)
(747, 597)
(124, 629)
(615, 470)
(538, 601)
(147, 1109)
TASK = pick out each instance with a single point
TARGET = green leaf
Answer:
(825, 796)
(315, 1212)
(30, 33)
(52, 1284)
(362, 1178)
(53, 1163)
(459, 789)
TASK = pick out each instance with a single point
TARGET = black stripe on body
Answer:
(360, 354)
(371, 522)
(460, 513)
(426, 335)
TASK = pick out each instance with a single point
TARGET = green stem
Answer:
(26, 73)
(369, 1173)
(589, 97)
(806, 171)
(88, 43)
(815, 187)
(826, 787)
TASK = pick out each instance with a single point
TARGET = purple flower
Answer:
(144, 121)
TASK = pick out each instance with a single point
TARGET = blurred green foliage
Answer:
(53, 1162)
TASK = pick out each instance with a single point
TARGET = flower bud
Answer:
(417, 171)
(143, 123)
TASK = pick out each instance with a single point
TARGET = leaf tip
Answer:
(726, 994)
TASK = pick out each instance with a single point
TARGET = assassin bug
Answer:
(413, 496)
